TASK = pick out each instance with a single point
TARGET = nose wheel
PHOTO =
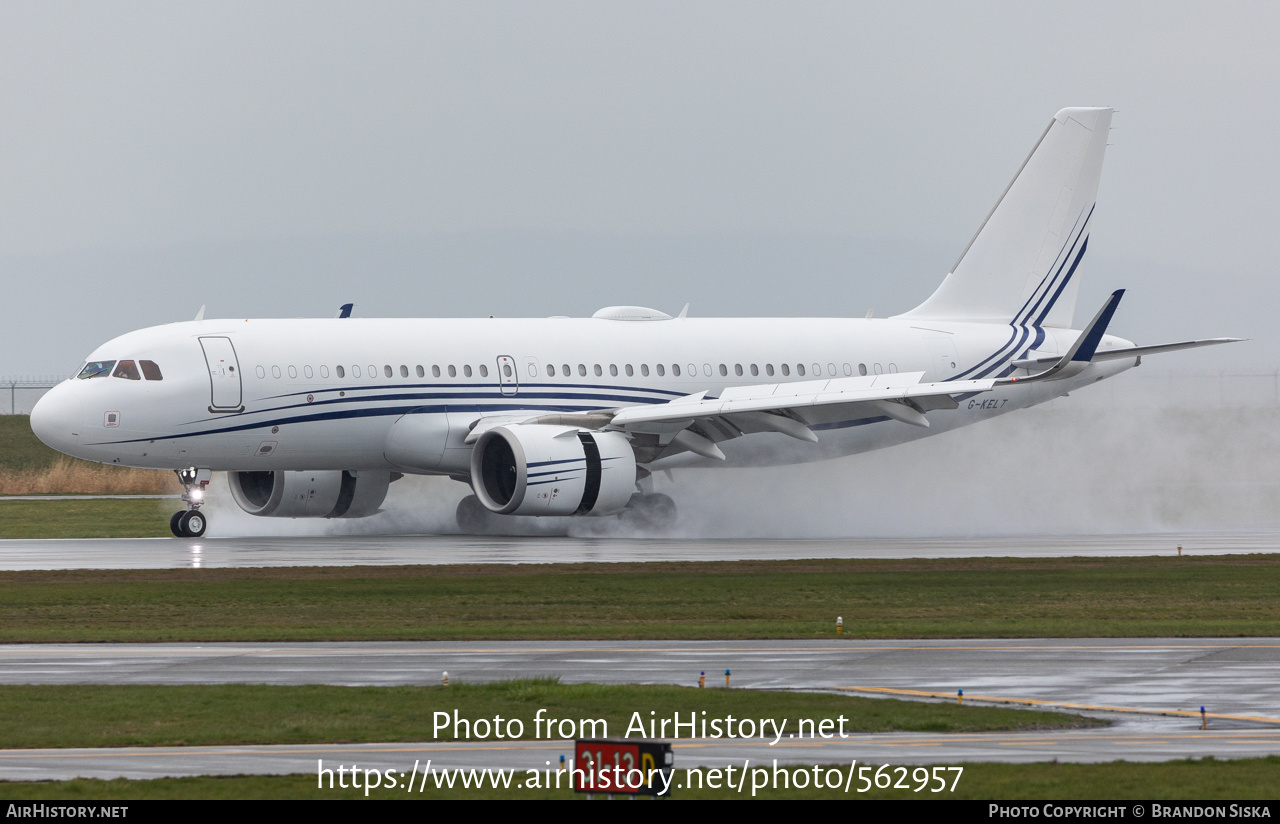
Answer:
(191, 522)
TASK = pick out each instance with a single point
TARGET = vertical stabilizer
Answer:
(1020, 267)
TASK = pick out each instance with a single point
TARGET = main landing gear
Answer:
(644, 513)
(651, 512)
(191, 522)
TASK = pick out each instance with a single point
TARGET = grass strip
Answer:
(111, 518)
(966, 598)
(28, 467)
(142, 716)
(1198, 780)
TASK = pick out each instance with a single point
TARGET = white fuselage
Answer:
(311, 394)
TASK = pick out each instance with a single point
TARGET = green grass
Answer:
(20, 449)
(1205, 779)
(108, 518)
(973, 598)
(138, 716)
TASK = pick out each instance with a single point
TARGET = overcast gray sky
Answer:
(420, 159)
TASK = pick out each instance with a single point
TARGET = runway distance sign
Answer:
(625, 767)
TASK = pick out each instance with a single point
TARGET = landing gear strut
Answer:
(191, 522)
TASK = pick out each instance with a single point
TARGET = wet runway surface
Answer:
(1230, 677)
(175, 553)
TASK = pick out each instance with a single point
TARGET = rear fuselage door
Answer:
(224, 374)
(507, 378)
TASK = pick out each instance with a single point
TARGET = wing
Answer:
(695, 423)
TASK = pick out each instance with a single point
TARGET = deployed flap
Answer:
(1019, 267)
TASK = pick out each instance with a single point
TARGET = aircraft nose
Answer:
(53, 420)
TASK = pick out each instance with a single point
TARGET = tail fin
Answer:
(1020, 266)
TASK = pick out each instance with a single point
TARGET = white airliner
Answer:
(562, 416)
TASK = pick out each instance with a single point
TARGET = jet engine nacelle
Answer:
(325, 494)
(540, 469)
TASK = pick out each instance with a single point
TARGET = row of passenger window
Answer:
(691, 370)
(126, 369)
(387, 371)
(754, 370)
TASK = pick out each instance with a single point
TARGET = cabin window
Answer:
(800, 369)
(453, 371)
(422, 373)
(706, 369)
(630, 372)
(324, 371)
(102, 368)
(466, 370)
(675, 370)
(831, 368)
(435, 371)
(786, 370)
(582, 369)
(862, 369)
(724, 371)
(373, 371)
(484, 370)
(150, 371)
(355, 371)
(768, 369)
(275, 371)
(848, 370)
(404, 371)
(661, 371)
(893, 368)
(128, 370)
(598, 370)
(877, 369)
(613, 369)
(755, 370)
(306, 371)
(340, 371)
(262, 373)
(551, 370)
(644, 369)
(565, 370)
(817, 369)
(386, 370)
(737, 369)
(293, 371)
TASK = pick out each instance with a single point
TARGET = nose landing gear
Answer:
(191, 522)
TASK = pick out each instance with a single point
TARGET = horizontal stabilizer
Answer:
(1129, 352)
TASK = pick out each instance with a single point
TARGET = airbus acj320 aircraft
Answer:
(561, 416)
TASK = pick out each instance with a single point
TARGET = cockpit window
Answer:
(96, 369)
(128, 370)
(150, 371)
